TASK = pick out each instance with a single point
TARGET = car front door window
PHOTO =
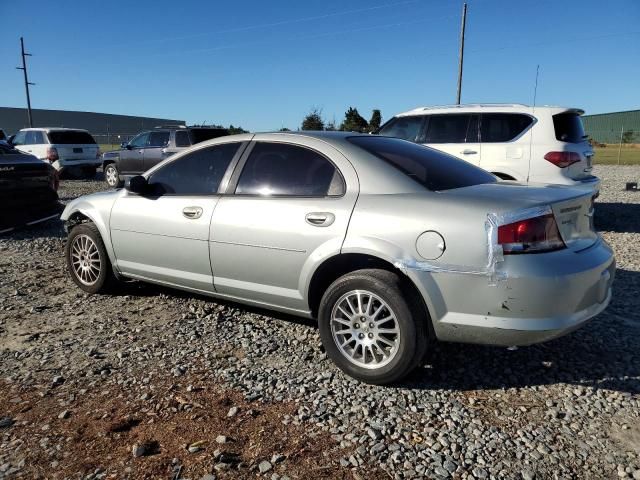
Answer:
(140, 141)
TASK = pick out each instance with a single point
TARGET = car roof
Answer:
(489, 107)
(53, 129)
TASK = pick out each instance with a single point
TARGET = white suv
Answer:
(514, 142)
(67, 149)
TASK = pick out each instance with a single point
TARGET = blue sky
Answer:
(264, 65)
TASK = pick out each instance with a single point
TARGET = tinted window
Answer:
(432, 169)
(158, 139)
(503, 127)
(140, 141)
(201, 134)
(406, 128)
(182, 139)
(32, 138)
(568, 127)
(71, 137)
(447, 128)
(19, 138)
(281, 169)
(198, 173)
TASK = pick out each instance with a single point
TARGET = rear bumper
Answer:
(81, 162)
(543, 297)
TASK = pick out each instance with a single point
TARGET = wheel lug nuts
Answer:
(371, 325)
(357, 325)
(371, 335)
(361, 336)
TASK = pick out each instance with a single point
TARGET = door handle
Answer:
(320, 219)
(468, 152)
(192, 212)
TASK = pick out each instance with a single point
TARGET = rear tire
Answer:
(112, 176)
(87, 260)
(370, 329)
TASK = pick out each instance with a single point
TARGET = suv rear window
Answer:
(201, 134)
(71, 137)
(568, 127)
(431, 168)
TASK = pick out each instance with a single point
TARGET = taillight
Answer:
(52, 154)
(562, 159)
(533, 235)
(98, 153)
(54, 179)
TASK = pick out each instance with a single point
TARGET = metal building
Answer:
(611, 127)
(105, 127)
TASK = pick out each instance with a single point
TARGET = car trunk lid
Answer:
(73, 144)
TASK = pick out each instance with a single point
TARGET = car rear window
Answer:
(431, 168)
(201, 134)
(71, 137)
(568, 127)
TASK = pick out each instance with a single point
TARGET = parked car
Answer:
(69, 150)
(3, 136)
(149, 148)
(28, 189)
(388, 244)
(514, 142)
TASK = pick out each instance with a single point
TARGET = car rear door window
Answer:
(71, 137)
(431, 168)
(503, 127)
(279, 169)
(158, 139)
(197, 173)
(447, 128)
(406, 128)
(182, 139)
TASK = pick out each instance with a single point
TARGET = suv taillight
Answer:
(52, 154)
(533, 235)
(562, 159)
(54, 179)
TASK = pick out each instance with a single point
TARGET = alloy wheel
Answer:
(85, 259)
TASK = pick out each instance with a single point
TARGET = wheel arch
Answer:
(85, 213)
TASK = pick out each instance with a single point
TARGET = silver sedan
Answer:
(388, 244)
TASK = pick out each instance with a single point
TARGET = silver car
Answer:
(388, 244)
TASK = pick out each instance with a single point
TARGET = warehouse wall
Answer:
(99, 124)
(607, 127)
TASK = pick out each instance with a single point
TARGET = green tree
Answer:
(284, 129)
(627, 137)
(234, 130)
(376, 120)
(353, 121)
(313, 120)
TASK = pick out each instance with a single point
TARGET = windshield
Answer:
(70, 137)
(432, 169)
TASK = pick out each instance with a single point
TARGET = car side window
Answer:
(447, 128)
(406, 128)
(503, 127)
(19, 139)
(182, 139)
(140, 141)
(197, 173)
(279, 169)
(158, 139)
(33, 138)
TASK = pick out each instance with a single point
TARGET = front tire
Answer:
(87, 260)
(112, 176)
(370, 329)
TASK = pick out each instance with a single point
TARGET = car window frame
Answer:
(235, 176)
(225, 177)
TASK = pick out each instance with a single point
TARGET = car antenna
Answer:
(533, 112)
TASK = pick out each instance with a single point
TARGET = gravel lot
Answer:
(155, 383)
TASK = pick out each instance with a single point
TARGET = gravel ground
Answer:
(156, 363)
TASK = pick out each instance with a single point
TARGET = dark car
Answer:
(150, 147)
(28, 189)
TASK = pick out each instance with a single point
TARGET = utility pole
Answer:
(461, 55)
(26, 80)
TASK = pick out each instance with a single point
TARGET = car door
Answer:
(132, 157)
(287, 207)
(163, 235)
(455, 134)
(154, 153)
(506, 139)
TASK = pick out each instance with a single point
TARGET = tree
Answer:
(313, 120)
(284, 129)
(627, 137)
(376, 120)
(234, 130)
(353, 121)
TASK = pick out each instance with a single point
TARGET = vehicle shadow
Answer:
(602, 354)
(618, 217)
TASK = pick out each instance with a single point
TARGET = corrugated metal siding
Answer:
(606, 127)
(13, 119)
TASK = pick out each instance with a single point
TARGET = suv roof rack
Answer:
(170, 126)
(467, 105)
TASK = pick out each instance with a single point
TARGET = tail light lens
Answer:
(52, 154)
(533, 235)
(562, 159)
(54, 179)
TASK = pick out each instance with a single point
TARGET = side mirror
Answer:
(127, 146)
(10, 139)
(123, 145)
(137, 184)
